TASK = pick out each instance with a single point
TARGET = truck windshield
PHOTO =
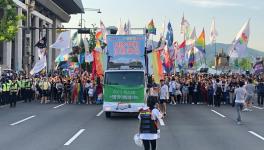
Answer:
(124, 78)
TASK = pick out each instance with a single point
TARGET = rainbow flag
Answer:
(99, 63)
(151, 27)
(200, 43)
(99, 36)
(191, 58)
(157, 66)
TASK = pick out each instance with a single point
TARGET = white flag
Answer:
(64, 52)
(103, 29)
(239, 44)
(41, 52)
(88, 57)
(185, 26)
(213, 32)
(121, 28)
(63, 41)
(40, 65)
(192, 37)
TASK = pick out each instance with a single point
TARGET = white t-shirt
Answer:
(172, 86)
(240, 95)
(156, 115)
(164, 92)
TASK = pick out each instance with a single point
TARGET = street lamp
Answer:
(89, 9)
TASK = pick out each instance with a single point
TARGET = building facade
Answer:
(43, 16)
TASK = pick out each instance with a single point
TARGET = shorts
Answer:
(161, 101)
(172, 94)
(249, 98)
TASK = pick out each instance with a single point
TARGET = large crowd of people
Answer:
(213, 90)
(53, 89)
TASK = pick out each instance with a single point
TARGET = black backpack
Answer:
(218, 91)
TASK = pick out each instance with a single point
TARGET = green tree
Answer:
(9, 20)
(245, 64)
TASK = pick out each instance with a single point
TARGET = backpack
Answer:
(218, 91)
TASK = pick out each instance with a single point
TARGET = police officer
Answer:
(13, 93)
(1, 97)
(23, 89)
(5, 91)
(28, 85)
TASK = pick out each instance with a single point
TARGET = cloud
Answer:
(212, 3)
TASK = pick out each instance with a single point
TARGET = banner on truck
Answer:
(124, 50)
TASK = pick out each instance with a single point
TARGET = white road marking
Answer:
(58, 106)
(74, 137)
(100, 113)
(257, 135)
(218, 113)
(258, 107)
(18, 122)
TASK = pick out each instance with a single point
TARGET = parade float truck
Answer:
(124, 79)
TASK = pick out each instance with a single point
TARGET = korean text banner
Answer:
(126, 49)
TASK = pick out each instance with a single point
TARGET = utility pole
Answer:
(28, 62)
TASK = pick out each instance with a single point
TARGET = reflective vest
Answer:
(28, 85)
(4, 87)
(8, 87)
(14, 87)
(23, 84)
(147, 125)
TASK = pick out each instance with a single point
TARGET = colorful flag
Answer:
(169, 36)
(63, 41)
(99, 63)
(167, 63)
(151, 28)
(213, 32)
(157, 66)
(239, 45)
(181, 52)
(191, 58)
(200, 43)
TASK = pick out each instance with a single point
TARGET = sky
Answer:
(230, 15)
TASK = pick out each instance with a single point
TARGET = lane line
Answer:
(74, 137)
(218, 113)
(59, 106)
(100, 113)
(23, 120)
(257, 135)
(258, 107)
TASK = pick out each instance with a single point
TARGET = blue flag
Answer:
(169, 35)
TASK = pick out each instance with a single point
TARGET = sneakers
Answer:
(245, 109)
(239, 123)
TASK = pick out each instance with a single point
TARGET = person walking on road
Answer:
(240, 94)
(260, 92)
(250, 88)
(164, 96)
(149, 118)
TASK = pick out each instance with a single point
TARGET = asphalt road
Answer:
(32, 126)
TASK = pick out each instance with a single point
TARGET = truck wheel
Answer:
(107, 114)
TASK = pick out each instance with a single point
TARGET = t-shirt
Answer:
(240, 95)
(172, 86)
(164, 92)
(250, 88)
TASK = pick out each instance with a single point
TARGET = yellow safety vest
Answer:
(4, 87)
